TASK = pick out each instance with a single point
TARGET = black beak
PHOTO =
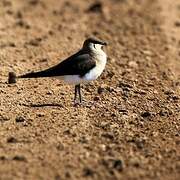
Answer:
(104, 43)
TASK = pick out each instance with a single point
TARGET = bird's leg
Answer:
(75, 94)
(79, 92)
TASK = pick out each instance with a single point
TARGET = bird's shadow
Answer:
(43, 105)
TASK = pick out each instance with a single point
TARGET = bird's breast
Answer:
(94, 73)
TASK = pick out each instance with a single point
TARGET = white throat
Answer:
(100, 57)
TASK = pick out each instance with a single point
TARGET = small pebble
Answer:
(88, 172)
(83, 140)
(12, 140)
(140, 144)
(40, 114)
(177, 24)
(108, 136)
(3, 158)
(19, 158)
(96, 7)
(135, 162)
(20, 119)
(113, 164)
(145, 114)
(96, 98)
(100, 90)
(33, 2)
(118, 164)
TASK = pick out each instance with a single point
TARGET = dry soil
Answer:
(129, 127)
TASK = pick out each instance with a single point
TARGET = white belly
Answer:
(93, 74)
(72, 79)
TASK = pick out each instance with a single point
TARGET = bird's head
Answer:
(94, 44)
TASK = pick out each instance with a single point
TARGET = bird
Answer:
(82, 67)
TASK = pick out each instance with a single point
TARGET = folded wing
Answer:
(78, 64)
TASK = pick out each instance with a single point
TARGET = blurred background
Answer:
(131, 129)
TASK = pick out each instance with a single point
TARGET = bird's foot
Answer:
(83, 103)
(77, 104)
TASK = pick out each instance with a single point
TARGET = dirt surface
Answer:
(130, 126)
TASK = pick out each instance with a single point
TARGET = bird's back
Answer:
(77, 64)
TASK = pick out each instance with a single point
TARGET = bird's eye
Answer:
(94, 46)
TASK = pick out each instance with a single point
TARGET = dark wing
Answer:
(78, 64)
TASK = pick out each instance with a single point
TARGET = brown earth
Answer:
(130, 127)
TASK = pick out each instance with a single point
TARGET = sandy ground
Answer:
(130, 127)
